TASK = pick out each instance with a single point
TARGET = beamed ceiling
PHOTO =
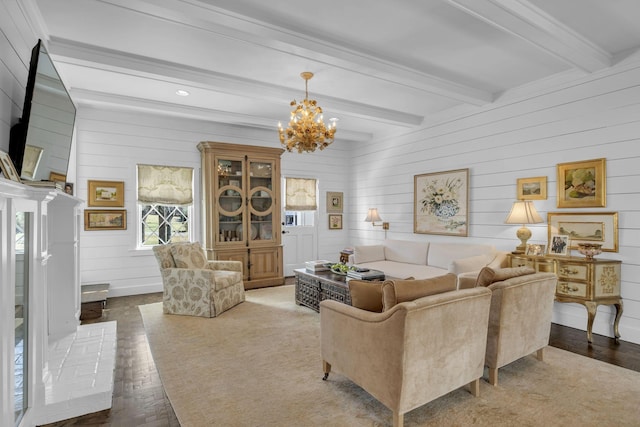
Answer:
(381, 67)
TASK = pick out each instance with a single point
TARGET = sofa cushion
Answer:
(406, 251)
(366, 295)
(472, 263)
(403, 270)
(489, 275)
(441, 254)
(368, 253)
(189, 255)
(397, 291)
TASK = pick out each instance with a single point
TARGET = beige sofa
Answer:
(412, 353)
(422, 260)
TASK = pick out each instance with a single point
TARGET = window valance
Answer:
(300, 194)
(166, 185)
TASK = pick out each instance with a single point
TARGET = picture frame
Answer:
(441, 203)
(559, 245)
(586, 227)
(534, 188)
(535, 249)
(335, 202)
(68, 188)
(8, 169)
(335, 222)
(57, 177)
(30, 162)
(105, 194)
(582, 184)
(105, 219)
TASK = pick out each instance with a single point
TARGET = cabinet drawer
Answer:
(521, 262)
(544, 266)
(572, 271)
(572, 289)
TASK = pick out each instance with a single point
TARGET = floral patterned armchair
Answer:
(195, 286)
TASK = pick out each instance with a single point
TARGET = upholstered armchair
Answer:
(195, 286)
(412, 353)
(520, 319)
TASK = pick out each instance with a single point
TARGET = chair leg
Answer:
(474, 387)
(540, 354)
(326, 367)
(493, 376)
(398, 419)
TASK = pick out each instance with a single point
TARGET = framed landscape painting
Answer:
(582, 184)
(586, 227)
(532, 188)
(106, 194)
(95, 219)
(441, 203)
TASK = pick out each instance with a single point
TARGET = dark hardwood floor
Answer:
(139, 398)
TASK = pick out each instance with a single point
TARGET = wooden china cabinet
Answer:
(241, 209)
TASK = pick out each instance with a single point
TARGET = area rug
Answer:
(259, 364)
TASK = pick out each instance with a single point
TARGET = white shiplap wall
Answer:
(593, 117)
(111, 143)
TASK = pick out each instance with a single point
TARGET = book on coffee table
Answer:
(366, 275)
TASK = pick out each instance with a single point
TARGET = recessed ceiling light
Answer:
(181, 92)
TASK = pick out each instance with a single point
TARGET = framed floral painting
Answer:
(441, 203)
(582, 184)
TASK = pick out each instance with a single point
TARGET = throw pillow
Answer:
(472, 263)
(368, 253)
(397, 291)
(366, 295)
(189, 255)
(489, 275)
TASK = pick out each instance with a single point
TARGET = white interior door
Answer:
(299, 239)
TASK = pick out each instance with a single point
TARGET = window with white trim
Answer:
(300, 202)
(165, 204)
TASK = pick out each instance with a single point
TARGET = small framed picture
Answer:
(532, 188)
(68, 188)
(334, 202)
(559, 244)
(8, 169)
(57, 177)
(535, 249)
(106, 194)
(96, 219)
(335, 222)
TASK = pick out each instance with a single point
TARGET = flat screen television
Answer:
(40, 143)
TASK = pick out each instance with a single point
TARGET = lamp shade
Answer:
(523, 212)
(372, 215)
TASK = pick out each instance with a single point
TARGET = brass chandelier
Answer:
(306, 130)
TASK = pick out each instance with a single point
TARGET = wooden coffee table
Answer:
(311, 288)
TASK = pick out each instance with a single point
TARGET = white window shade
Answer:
(301, 194)
(166, 185)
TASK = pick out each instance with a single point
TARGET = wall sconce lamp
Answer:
(373, 216)
(523, 212)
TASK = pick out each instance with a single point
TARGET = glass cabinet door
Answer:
(230, 201)
(261, 199)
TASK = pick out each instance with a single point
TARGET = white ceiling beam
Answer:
(122, 102)
(522, 19)
(231, 25)
(79, 54)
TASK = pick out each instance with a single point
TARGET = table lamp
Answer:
(523, 212)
